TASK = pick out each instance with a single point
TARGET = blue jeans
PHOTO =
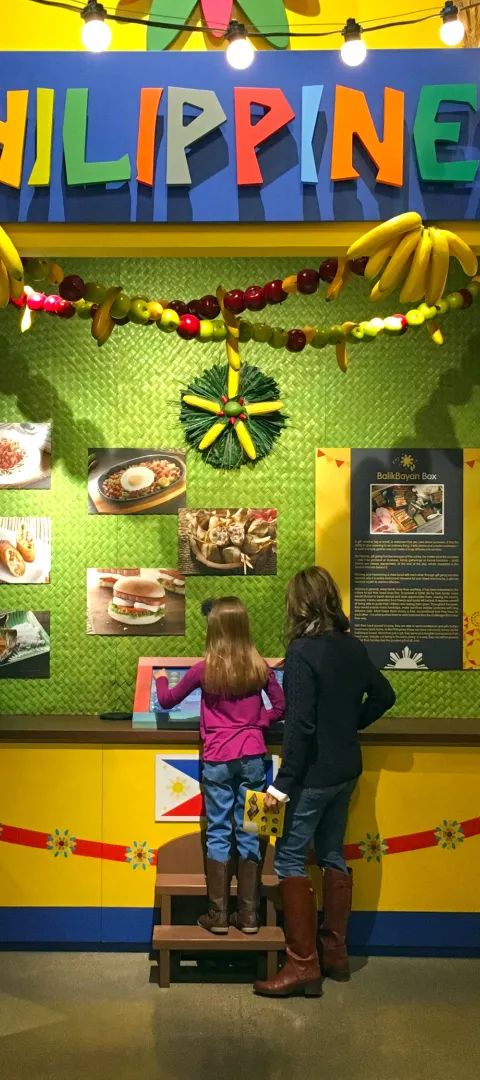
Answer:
(224, 788)
(318, 814)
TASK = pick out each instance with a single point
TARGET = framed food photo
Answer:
(135, 601)
(133, 481)
(24, 644)
(238, 541)
(25, 455)
(25, 550)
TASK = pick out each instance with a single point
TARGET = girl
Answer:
(232, 721)
(332, 691)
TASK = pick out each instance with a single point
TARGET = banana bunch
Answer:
(404, 254)
(12, 282)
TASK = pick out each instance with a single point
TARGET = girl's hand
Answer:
(160, 673)
(271, 805)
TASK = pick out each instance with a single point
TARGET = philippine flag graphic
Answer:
(178, 795)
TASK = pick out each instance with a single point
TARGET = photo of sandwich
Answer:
(145, 601)
(24, 644)
(25, 551)
(238, 541)
(25, 455)
(133, 481)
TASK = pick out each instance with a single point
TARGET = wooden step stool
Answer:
(181, 872)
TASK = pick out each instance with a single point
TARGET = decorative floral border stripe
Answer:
(448, 835)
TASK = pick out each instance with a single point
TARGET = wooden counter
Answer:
(397, 731)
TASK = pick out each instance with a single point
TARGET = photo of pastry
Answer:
(241, 541)
(25, 455)
(135, 602)
(24, 644)
(25, 550)
(407, 509)
(136, 481)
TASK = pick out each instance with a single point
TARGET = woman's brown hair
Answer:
(233, 666)
(313, 604)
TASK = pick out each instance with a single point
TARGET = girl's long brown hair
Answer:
(313, 604)
(233, 666)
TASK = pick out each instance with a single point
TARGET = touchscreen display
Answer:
(189, 709)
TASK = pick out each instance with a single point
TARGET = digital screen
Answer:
(189, 708)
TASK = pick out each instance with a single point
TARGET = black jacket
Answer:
(332, 691)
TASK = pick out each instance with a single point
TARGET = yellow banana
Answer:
(289, 284)
(17, 288)
(341, 347)
(462, 252)
(228, 317)
(392, 229)
(435, 332)
(414, 287)
(341, 276)
(396, 267)
(245, 440)
(4, 285)
(202, 403)
(376, 262)
(102, 322)
(233, 355)
(380, 294)
(438, 269)
(233, 381)
(10, 256)
(212, 434)
(261, 408)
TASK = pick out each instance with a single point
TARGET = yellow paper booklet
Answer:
(260, 821)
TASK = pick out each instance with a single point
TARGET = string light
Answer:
(96, 33)
(452, 30)
(240, 52)
(353, 50)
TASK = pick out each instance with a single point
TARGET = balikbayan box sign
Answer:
(181, 137)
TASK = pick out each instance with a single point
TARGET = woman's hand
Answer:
(271, 805)
(160, 673)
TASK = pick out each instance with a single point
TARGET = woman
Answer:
(332, 691)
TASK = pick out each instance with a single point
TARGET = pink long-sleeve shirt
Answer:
(230, 728)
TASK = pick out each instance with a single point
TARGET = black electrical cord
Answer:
(252, 33)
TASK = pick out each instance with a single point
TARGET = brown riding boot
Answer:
(337, 905)
(218, 888)
(246, 915)
(301, 972)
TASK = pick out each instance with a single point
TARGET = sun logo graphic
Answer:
(407, 660)
(408, 461)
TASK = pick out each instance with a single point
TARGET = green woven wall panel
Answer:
(398, 392)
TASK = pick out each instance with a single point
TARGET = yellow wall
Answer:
(35, 27)
(107, 794)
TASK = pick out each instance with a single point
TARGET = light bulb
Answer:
(452, 30)
(96, 33)
(240, 51)
(353, 50)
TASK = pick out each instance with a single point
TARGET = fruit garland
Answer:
(245, 405)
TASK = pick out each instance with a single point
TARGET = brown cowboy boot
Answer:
(337, 905)
(301, 972)
(246, 915)
(218, 888)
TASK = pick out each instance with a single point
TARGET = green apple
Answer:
(121, 306)
(356, 334)
(454, 301)
(320, 339)
(261, 331)
(36, 270)
(219, 330)
(442, 307)
(415, 317)
(279, 338)
(139, 311)
(245, 330)
(206, 330)
(335, 334)
(83, 309)
(473, 288)
(95, 292)
(168, 321)
(429, 312)
(370, 332)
